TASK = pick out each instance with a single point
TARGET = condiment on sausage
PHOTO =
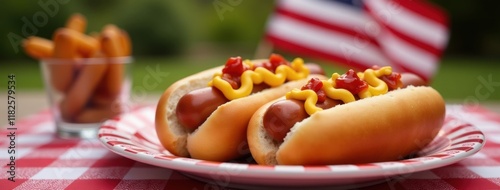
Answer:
(196, 106)
(282, 115)
(351, 82)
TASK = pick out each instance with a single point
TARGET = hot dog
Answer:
(209, 122)
(349, 119)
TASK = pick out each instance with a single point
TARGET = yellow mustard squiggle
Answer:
(283, 73)
(248, 78)
(308, 96)
(337, 93)
(376, 86)
(297, 70)
(248, 63)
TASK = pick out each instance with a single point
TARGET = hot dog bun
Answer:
(222, 136)
(381, 128)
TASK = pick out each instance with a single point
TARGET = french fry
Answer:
(126, 43)
(86, 46)
(69, 45)
(113, 46)
(81, 90)
(38, 48)
(61, 74)
(77, 22)
(111, 42)
(89, 91)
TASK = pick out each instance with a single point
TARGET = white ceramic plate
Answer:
(133, 136)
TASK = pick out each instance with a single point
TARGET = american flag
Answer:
(409, 35)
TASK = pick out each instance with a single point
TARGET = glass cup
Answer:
(85, 92)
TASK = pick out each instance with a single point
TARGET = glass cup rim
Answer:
(92, 60)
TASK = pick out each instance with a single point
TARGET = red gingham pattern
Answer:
(44, 161)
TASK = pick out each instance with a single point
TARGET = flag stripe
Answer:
(299, 49)
(426, 10)
(319, 39)
(327, 11)
(407, 56)
(402, 36)
(410, 36)
(319, 23)
(409, 23)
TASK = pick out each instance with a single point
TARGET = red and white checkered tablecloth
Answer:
(43, 161)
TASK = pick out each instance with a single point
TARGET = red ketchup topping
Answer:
(315, 85)
(351, 82)
(233, 70)
(393, 81)
(276, 60)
